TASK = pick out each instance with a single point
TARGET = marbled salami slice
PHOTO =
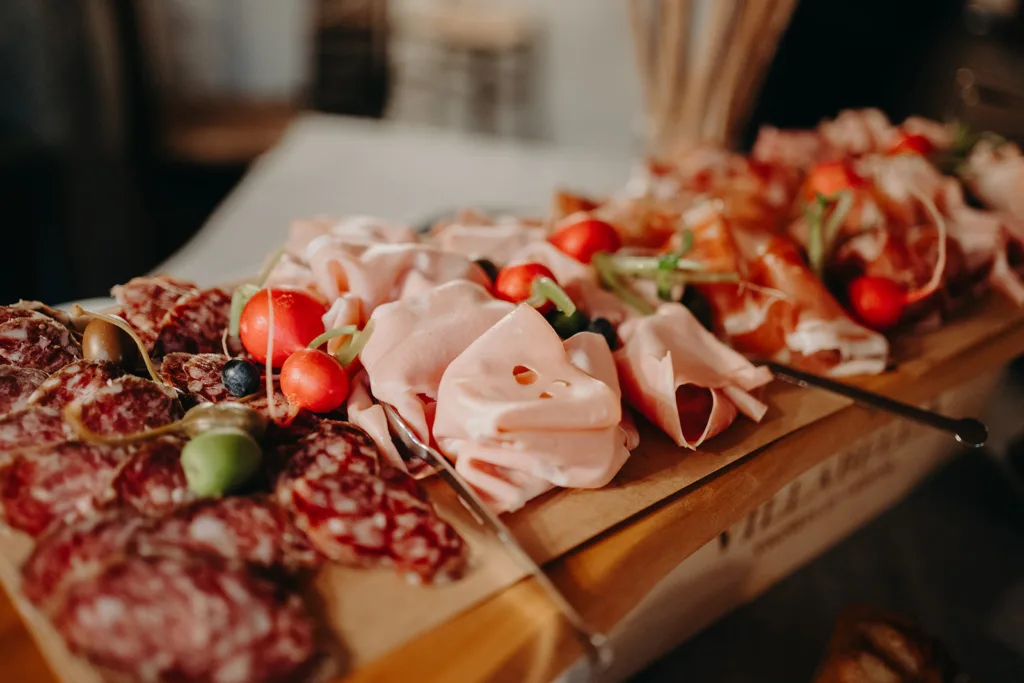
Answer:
(365, 521)
(146, 301)
(40, 344)
(75, 552)
(153, 482)
(128, 405)
(16, 386)
(197, 375)
(166, 619)
(57, 484)
(333, 447)
(30, 427)
(17, 312)
(74, 382)
(195, 324)
(253, 531)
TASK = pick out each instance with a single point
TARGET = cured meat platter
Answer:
(223, 451)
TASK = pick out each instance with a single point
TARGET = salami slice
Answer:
(365, 521)
(253, 531)
(166, 619)
(31, 426)
(195, 324)
(74, 382)
(146, 301)
(57, 484)
(16, 385)
(75, 552)
(333, 447)
(197, 375)
(152, 482)
(38, 308)
(16, 312)
(40, 344)
(128, 405)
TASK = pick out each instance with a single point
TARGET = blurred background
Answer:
(123, 123)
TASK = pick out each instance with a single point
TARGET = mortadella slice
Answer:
(364, 230)
(485, 238)
(518, 416)
(415, 339)
(683, 379)
(382, 273)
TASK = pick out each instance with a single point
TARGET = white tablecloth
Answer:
(336, 165)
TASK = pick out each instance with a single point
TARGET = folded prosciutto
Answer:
(519, 411)
(683, 379)
(415, 339)
(780, 310)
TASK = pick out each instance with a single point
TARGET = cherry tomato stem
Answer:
(515, 283)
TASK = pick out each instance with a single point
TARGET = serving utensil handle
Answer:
(968, 431)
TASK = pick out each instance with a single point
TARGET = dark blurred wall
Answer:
(897, 55)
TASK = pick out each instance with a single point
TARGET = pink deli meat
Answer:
(683, 379)
(415, 339)
(515, 401)
(480, 237)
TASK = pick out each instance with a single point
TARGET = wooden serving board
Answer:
(379, 621)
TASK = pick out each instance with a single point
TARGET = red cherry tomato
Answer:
(314, 380)
(583, 239)
(830, 177)
(298, 319)
(878, 302)
(515, 283)
(912, 144)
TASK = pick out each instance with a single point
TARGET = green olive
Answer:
(220, 461)
(104, 341)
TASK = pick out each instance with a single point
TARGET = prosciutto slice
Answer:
(683, 379)
(780, 311)
(415, 339)
(519, 416)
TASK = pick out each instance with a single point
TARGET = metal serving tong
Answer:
(594, 643)
(967, 430)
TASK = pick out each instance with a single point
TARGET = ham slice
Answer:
(382, 273)
(565, 268)
(365, 230)
(370, 417)
(995, 174)
(518, 415)
(683, 379)
(494, 240)
(416, 338)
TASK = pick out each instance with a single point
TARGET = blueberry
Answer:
(604, 328)
(488, 267)
(241, 377)
(567, 325)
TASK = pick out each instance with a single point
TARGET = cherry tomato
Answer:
(877, 301)
(314, 380)
(298, 319)
(830, 177)
(583, 239)
(912, 144)
(515, 283)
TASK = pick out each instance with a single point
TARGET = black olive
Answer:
(567, 325)
(604, 328)
(241, 377)
(488, 267)
(699, 306)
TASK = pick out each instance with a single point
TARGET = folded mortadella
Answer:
(380, 273)
(683, 379)
(519, 416)
(414, 339)
(365, 230)
(494, 240)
